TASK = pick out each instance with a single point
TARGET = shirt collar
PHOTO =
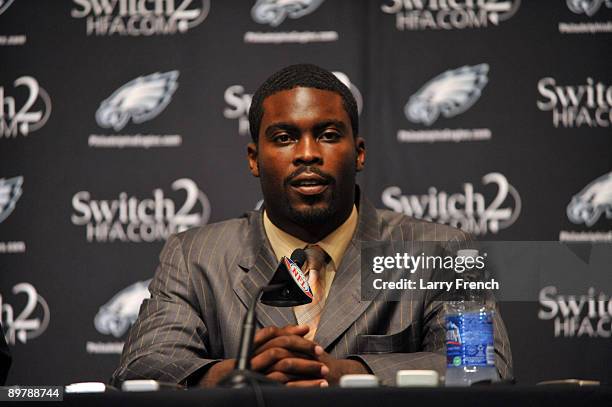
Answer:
(335, 244)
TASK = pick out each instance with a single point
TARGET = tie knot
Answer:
(316, 258)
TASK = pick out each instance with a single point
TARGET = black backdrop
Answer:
(514, 125)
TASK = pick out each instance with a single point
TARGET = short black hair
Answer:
(301, 75)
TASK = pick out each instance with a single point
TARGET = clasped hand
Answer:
(285, 356)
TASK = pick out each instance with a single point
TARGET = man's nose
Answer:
(307, 151)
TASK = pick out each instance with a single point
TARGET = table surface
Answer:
(489, 396)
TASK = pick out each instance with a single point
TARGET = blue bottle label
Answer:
(469, 339)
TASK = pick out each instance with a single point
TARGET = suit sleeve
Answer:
(432, 354)
(167, 341)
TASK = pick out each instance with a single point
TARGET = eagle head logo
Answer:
(595, 199)
(140, 99)
(4, 4)
(588, 7)
(448, 94)
(119, 313)
(274, 12)
(10, 191)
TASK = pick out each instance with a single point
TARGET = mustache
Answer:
(308, 168)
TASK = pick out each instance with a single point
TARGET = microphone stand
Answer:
(242, 376)
(283, 291)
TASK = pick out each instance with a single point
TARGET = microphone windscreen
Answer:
(299, 257)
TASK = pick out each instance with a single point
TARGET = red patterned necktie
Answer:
(314, 269)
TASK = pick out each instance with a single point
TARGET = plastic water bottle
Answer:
(470, 351)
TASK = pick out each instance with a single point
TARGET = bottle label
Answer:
(469, 339)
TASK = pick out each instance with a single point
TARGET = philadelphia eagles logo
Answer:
(588, 7)
(448, 94)
(595, 199)
(141, 99)
(120, 312)
(342, 77)
(274, 12)
(4, 4)
(10, 191)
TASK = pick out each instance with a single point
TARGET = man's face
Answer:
(306, 156)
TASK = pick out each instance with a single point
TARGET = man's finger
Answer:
(293, 343)
(264, 360)
(300, 367)
(282, 377)
(308, 383)
(269, 332)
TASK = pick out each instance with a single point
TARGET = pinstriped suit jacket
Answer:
(208, 275)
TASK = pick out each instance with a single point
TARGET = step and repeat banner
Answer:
(124, 121)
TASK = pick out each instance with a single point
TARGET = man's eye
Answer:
(282, 138)
(330, 135)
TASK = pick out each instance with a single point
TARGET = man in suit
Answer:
(306, 151)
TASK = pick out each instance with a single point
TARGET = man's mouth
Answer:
(309, 184)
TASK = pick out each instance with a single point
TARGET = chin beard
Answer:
(313, 215)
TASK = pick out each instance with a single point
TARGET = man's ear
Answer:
(361, 153)
(252, 158)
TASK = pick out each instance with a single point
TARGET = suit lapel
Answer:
(258, 265)
(343, 305)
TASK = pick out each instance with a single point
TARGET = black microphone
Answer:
(287, 288)
(280, 291)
